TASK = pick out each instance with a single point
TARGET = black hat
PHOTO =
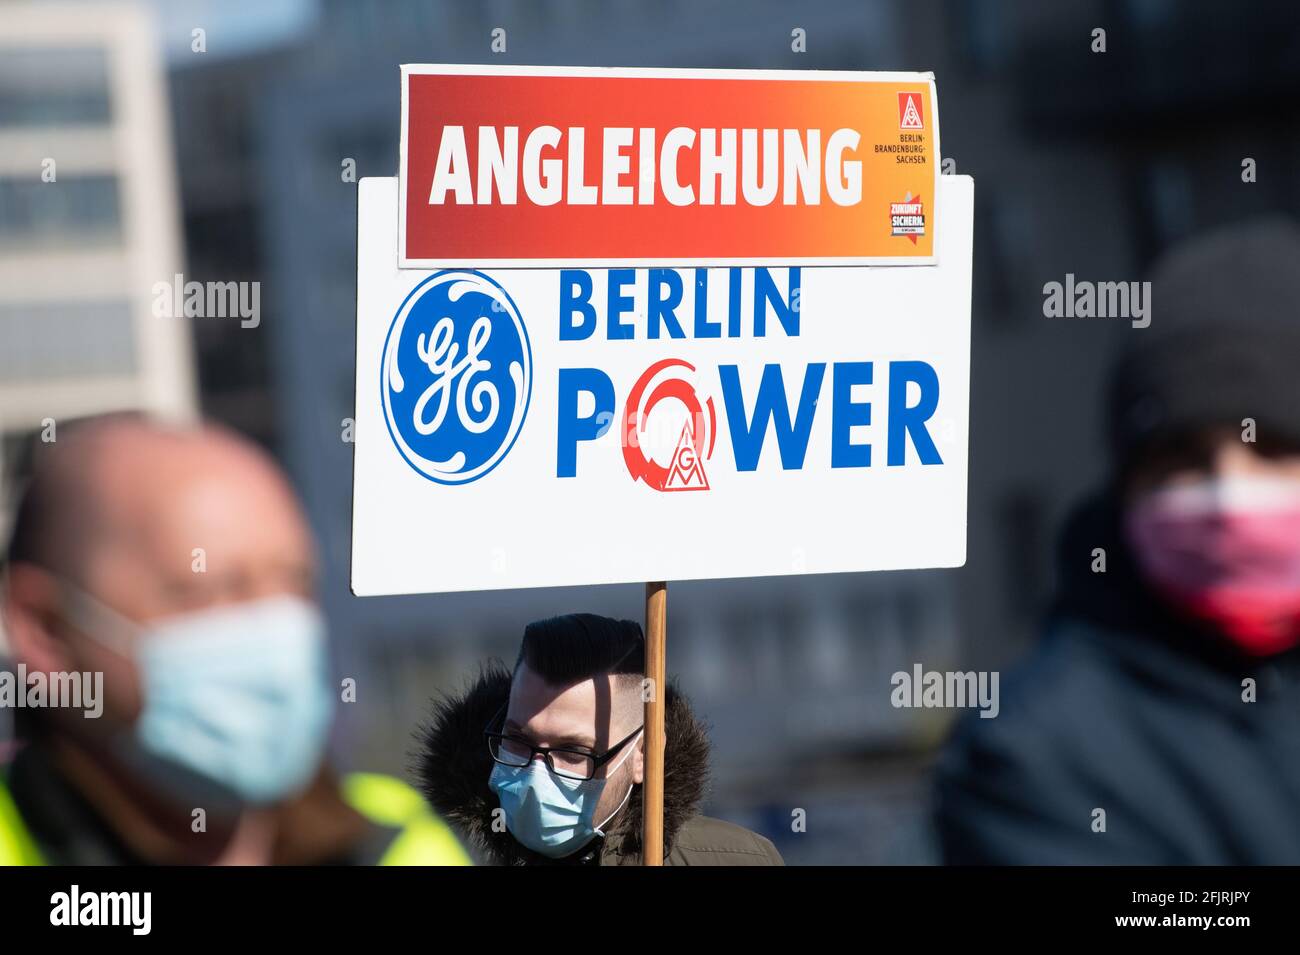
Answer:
(1223, 344)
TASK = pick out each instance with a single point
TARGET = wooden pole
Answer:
(652, 789)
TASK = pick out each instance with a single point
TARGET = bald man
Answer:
(176, 563)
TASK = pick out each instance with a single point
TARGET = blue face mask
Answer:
(237, 702)
(547, 813)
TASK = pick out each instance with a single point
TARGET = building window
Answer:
(49, 341)
(53, 87)
(71, 209)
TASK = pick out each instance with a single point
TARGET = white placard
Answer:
(530, 427)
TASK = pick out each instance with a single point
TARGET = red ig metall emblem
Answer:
(685, 472)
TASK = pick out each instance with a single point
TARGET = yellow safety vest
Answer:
(424, 838)
(16, 844)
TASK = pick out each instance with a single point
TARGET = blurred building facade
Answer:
(89, 222)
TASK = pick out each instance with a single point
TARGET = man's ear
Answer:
(29, 601)
(638, 760)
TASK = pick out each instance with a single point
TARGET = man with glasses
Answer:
(544, 765)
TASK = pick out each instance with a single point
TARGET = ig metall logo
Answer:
(456, 376)
(669, 382)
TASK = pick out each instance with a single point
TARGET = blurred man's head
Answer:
(175, 561)
(577, 693)
(1205, 414)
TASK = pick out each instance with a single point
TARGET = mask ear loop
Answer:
(631, 749)
(115, 630)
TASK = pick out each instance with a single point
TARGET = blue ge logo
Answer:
(456, 376)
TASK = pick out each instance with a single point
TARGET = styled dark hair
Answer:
(578, 646)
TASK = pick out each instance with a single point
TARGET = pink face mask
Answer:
(1227, 551)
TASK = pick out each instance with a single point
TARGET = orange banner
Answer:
(543, 166)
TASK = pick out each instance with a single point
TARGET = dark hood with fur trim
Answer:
(452, 765)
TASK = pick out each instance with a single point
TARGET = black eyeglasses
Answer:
(570, 763)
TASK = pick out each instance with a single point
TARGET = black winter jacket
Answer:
(1127, 708)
